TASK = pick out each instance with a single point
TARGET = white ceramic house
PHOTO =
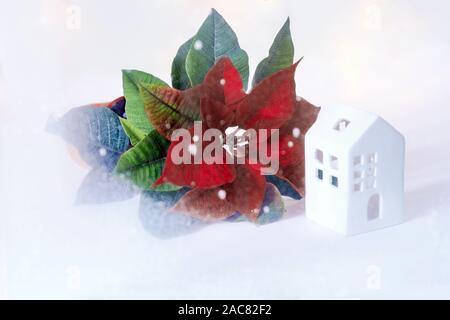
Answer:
(354, 171)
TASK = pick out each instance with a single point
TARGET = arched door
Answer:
(374, 207)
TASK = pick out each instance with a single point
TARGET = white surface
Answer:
(380, 151)
(388, 57)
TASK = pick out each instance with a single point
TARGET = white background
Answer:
(388, 57)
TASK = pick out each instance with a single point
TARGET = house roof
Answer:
(341, 127)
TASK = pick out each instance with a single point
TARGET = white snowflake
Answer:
(290, 144)
(198, 45)
(102, 152)
(222, 82)
(222, 194)
(296, 132)
(192, 149)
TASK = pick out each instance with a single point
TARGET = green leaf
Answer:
(214, 39)
(180, 79)
(134, 107)
(143, 164)
(132, 132)
(170, 109)
(281, 55)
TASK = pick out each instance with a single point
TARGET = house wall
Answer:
(388, 147)
(325, 203)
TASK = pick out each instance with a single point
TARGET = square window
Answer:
(334, 162)
(319, 174)
(371, 171)
(334, 181)
(372, 158)
(358, 187)
(358, 174)
(357, 160)
(319, 156)
(341, 125)
(370, 183)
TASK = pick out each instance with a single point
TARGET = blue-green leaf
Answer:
(180, 79)
(95, 132)
(284, 187)
(162, 223)
(214, 39)
(272, 208)
(281, 55)
(102, 186)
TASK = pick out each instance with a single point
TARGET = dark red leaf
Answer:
(170, 109)
(222, 88)
(117, 105)
(292, 144)
(270, 103)
(223, 82)
(244, 195)
(200, 175)
(216, 114)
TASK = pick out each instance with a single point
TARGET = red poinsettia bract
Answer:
(221, 190)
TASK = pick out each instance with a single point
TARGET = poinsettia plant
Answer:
(130, 146)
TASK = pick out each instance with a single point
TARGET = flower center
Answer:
(236, 140)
